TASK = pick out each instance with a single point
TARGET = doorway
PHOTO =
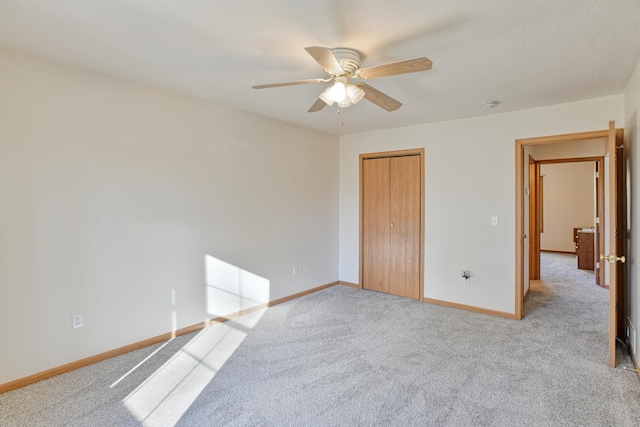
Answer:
(616, 223)
(392, 222)
(573, 202)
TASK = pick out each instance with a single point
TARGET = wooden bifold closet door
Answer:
(391, 224)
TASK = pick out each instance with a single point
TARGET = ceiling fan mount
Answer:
(343, 64)
(349, 59)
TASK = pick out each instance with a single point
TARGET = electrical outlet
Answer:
(76, 321)
(466, 277)
(295, 271)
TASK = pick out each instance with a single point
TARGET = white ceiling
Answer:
(522, 53)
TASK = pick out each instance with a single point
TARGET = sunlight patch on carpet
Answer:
(167, 394)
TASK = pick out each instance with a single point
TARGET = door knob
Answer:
(392, 224)
(613, 259)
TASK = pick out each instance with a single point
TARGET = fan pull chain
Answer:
(338, 112)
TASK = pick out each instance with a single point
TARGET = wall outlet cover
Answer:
(76, 321)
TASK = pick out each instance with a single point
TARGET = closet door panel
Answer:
(376, 224)
(404, 242)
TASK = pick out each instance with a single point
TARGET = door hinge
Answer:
(597, 175)
(597, 265)
(597, 220)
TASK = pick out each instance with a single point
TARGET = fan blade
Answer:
(394, 68)
(379, 98)
(317, 106)
(325, 57)
(296, 82)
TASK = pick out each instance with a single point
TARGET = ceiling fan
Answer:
(343, 65)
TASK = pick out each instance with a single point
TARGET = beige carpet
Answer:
(347, 357)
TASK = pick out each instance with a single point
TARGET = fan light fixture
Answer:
(326, 96)
(338, 92)
(345, 103)
(342, 93)
(354, 93)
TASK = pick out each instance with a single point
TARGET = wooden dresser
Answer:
(584, 249)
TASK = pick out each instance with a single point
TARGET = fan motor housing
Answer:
(348, 58)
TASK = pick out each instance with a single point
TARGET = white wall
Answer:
(112, 193)
(632, 150)
(568, 202)
(469, 176)
(595, 147)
